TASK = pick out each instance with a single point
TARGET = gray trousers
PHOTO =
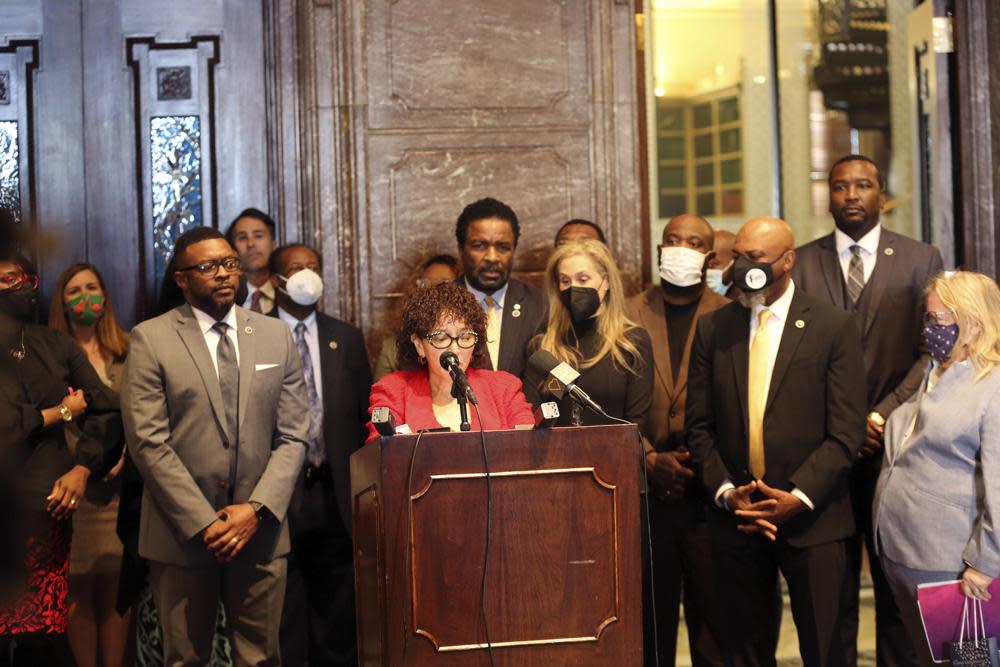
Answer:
(187, 600)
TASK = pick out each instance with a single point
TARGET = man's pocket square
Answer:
(263, 367)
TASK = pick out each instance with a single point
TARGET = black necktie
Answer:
(229, 380)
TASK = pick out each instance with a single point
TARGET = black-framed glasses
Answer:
(442, 340)
(16, 281)
(211, 267)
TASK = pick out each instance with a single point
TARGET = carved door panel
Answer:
(136, 120)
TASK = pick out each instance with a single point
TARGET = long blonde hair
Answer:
(612, 324)
(975, 301)
(110, 335)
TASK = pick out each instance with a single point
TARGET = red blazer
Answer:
(407, 394)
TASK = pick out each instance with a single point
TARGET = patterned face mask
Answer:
(85, 309)
(940, 339)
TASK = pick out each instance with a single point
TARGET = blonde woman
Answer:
(588, 329)
(938, 496)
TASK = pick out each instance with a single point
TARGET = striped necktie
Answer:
(855, 274)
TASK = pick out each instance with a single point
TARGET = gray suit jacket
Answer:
(175, 426)
(937, 502)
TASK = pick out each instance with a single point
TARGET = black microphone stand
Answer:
(463, 406)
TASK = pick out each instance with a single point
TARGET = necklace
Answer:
(19, 352)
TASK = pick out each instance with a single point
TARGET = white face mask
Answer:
(304, 287)
(681, 266)
(713, 278)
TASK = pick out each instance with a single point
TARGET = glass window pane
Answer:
(10, 172)
(670, 119)
(672, 177)
(704, 175)
(175, 155)
(732, 202)
(732, 171)
(671, 205)
(703, 115)
(729, 140)
(670, 148)
(706, 203)
(729, 110)
(703, 145)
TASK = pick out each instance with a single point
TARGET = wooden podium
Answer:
(565, 571)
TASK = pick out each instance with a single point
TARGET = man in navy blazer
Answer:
(317, 625)
(487, 232)
(886, 298)
(784, 503)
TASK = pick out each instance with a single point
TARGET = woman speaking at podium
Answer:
(442, 323)
(588, 330)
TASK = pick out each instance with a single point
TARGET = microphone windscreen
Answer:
(543, 361)
(449, 359)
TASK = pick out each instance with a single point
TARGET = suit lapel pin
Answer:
(800, 324)
(248, 330)
(888, 252)
(333, 345)
(517, 310)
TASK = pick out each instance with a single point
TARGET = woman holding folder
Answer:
(938, 496)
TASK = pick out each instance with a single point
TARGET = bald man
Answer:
(775, 416)
(679, 533)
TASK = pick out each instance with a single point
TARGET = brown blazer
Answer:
(665, 425)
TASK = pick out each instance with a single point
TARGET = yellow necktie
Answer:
(760, 353)
(493, 331)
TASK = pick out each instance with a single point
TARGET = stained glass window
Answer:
(175, 155)
(10, 173)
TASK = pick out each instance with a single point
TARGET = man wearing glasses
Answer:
(213, 399)
(879, 276)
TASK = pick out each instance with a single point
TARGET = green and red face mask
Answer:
(86, 309)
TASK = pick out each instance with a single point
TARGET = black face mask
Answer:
(752, 276)
(581, 302)
(19, 304)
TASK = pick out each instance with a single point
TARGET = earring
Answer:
(422, 359)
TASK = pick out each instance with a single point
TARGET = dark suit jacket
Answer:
(814, 418)
(890, 311)
(347, 382)
(516, 331)
(665, 425)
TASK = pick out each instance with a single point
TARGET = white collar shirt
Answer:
(206, 323)
(498, 297)
(775, 325)
(869, 250)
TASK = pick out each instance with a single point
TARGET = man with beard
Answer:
(879, 277)
(487, 232)
(678, 531)
(213, 400)
(775, 416)
(252, 235)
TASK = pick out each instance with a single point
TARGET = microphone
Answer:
(546, 415)
(564, 377)
(383, 421)
(449, 362)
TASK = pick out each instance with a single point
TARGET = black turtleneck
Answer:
(622, 393)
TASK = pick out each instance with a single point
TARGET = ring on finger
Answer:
(72, 501)
(235, 540)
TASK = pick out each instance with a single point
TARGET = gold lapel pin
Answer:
(517, 310)
(248, 330)
(888, 251)
(800, 324)
(333, 345)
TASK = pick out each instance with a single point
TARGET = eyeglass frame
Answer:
(215, 264)
(453, 339)
(20, 280)
(935, 316)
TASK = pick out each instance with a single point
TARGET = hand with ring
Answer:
(230, 533)
(66, 492)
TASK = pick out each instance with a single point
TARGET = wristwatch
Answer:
(65, 413)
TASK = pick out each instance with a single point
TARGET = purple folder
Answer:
(941, 612)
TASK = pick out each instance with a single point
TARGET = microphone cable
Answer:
(489, 530)
(407, 572)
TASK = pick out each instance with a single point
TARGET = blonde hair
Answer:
(975, 301)
(612, 324)
(110, 335)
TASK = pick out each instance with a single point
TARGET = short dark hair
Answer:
(251, 213)
(193, 236)
(481, 210)
(448, 260)
(857, 158)
(421, 311)
(585, 223)
(276, 262)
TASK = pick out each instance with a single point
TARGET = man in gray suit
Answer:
(879, 276)
(213, 399)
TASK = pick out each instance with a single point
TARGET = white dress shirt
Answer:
(775, 327)
(206, 322)
(869, 250)
(312, 342)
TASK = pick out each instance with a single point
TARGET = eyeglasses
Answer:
(442, 340)
(211, 267)
(938, 317)
(16, 281)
